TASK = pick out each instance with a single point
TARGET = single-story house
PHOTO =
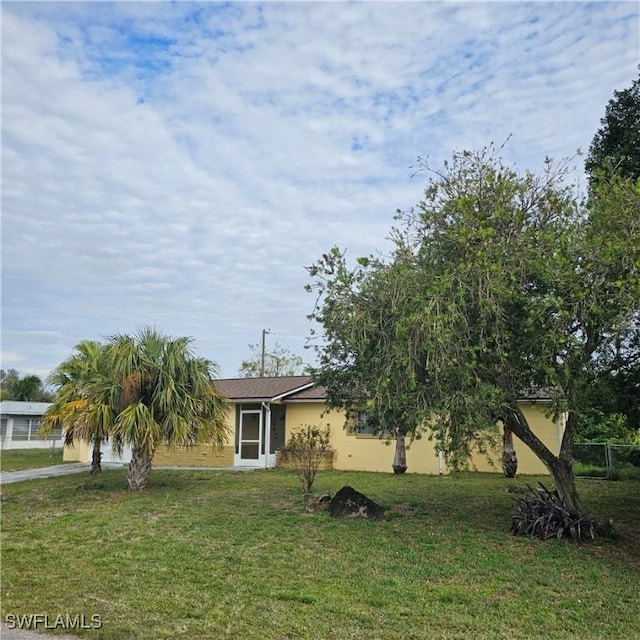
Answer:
(266, 410)
(19, 424)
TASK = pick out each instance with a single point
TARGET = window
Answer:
(56, 434)
(367, 424)
(26, 428)
(35, 425)
(21, 428)
(364, 425)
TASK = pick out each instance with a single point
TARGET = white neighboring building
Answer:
(19, 422)
(83, 451)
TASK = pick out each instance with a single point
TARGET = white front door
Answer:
(250, 439)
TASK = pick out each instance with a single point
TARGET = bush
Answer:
(596, 426)
(307, 448)
(625, 455)
(582, 470)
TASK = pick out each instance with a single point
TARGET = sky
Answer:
(178, 164)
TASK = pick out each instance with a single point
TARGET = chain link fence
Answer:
(606, 461)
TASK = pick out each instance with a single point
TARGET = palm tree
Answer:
(28, 388)
(163, 394)
(76, 408)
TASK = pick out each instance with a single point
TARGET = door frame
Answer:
(239, 461)
(265, 458)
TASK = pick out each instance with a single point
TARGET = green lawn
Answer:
(18, 459)
(235, 555)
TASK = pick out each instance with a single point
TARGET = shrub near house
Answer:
(307, 450)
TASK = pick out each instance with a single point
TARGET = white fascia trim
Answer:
(288, 393)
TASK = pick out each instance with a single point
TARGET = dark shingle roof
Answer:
(302, 389)
(311, 393)
(261, 388)
(538, 393)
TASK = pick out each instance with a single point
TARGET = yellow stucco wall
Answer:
(358, 453)
(368, 453)
(361, 453)
(77, 452)
(548, 430)
(195, 456)
(201, 455)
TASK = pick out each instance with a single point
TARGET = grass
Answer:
(619, 472)
(235, 555)
(19, 459)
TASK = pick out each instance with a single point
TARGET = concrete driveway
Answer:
(7, 477)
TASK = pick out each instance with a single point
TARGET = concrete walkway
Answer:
(7, 477)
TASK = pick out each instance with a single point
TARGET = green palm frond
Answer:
(136, 425)
(77, 408)
(175, 401)
(141, 390)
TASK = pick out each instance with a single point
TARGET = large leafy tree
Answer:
(276, 361)
(163, 394)
(506, 283)
(362, 361)
(76, 408)
(615, 150)
(616, 145)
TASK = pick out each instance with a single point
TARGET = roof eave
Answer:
(282, 396)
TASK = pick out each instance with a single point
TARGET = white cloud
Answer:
(178, 164)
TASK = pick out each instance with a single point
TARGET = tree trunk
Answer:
(509, 457)
(564, 472)
(139, 468)
(565, 484)
(560, 467)
(96, 457)
(400, 457)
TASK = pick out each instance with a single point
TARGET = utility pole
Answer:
(264, 334)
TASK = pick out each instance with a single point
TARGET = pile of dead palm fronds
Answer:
(543, 514)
